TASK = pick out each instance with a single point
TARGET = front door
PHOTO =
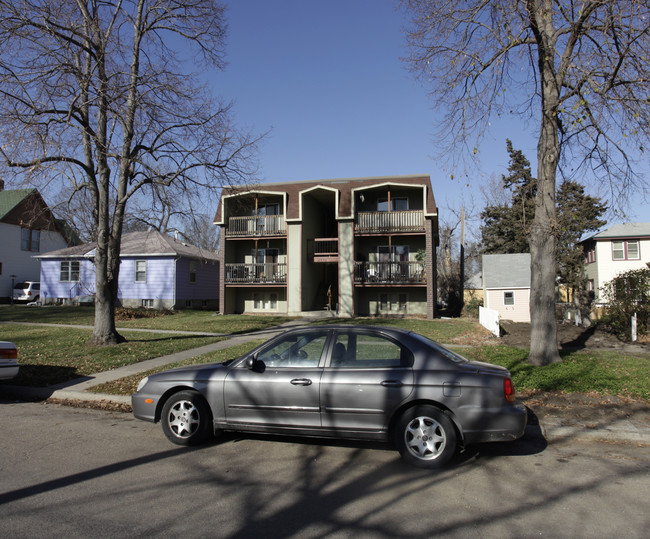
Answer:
(284, 390)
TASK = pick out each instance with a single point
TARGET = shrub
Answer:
(130, 313)
(627, 294)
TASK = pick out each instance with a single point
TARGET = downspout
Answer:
(174, 307)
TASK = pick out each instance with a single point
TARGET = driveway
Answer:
(88, 473)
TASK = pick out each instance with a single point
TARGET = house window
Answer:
(30, 240)
(147, 303)
(625, 250)
(509, 298)
(396, 204)
(188, 303)
(69, 271)
(193, 269)
(591, 289)
(590, 255)
(140, 271)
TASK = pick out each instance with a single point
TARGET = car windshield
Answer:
(456, 358)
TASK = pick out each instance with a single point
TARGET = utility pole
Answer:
(462, 259)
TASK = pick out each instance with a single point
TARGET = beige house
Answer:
(611, 252)
(506, 285)
(362, 246)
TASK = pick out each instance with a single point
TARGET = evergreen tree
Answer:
(506, 228)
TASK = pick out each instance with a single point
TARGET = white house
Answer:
(613, 251)
(506, 285)
(27, 228)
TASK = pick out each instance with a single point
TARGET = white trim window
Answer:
(625, 250)
(509, 297)
(69, 271)
(140, 271)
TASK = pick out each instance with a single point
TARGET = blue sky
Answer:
(325, 78)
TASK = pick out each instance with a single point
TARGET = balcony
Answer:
(264, 273)
(260, 226)
(324, 249)
(378, 222)
(383, 273)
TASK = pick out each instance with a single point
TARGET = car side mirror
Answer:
(254, 364)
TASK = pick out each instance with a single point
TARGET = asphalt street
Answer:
(73, 472)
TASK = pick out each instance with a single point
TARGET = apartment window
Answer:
(384, 302)
(625, 250)
(267, 209)
(509, 298)
(140, 271)
(30, 240)
(403, 302)
(396, 204)
(69, 271)
(193, 269)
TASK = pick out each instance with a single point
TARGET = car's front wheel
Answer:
(186, 418)
(425, 437)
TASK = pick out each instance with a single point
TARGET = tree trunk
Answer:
(106, 284)
(543, 237)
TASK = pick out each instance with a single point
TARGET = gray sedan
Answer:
(351, 382)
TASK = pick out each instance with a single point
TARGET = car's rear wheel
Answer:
(186, 418)
(425, 437)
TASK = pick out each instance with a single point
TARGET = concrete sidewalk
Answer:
(633, 429)
(77, 389)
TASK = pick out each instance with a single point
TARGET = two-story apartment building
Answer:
(363, 246)
(613, 251)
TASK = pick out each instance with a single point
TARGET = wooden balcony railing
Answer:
(324, 249)
(389, 221)
(266, 273)
(389, 273)
(265, 225)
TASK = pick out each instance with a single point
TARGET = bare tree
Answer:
(579, 68)
(97, 94)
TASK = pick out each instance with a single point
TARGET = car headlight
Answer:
(142, 383)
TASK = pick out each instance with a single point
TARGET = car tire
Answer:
(186, 418)
(425, 437)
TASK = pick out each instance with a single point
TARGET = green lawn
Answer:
(49, 355)
(610, 373)
(128, 384)
(185, 320)
(444, 331)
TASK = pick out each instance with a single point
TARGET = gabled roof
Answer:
(12, 198)
(134, 244)
(344, 186)
(506, 271)
(626, 230)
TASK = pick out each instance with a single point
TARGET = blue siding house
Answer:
(156, 271)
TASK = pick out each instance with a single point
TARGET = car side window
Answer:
(295, 351)
(359, 350)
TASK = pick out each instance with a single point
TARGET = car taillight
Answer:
(9, 353)
(508, 390)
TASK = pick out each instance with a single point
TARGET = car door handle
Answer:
(301, 382)
(392, 383)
